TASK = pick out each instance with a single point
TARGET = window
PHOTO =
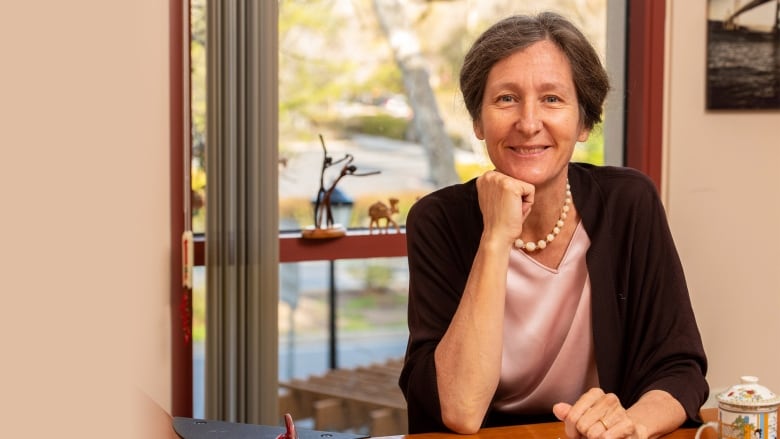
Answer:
(367, 112)
(197, 173)
(342, 92)
(341, 79)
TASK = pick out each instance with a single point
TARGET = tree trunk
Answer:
(427, 122)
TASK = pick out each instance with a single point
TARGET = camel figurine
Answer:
(381, 210)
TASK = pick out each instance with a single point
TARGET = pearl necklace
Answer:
(542, 243)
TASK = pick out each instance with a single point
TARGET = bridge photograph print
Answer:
(743, 55)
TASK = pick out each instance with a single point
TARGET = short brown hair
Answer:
(520, 31)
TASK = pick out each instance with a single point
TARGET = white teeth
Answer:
(528, 150)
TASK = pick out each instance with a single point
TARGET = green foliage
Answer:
(385, 77)
(198, 68)
(311, 78)
(305, 13)
(371, 309)
(377, 277)
(591, 151)
(467, 171)
(296, 211)
(198, 298)
(379, 125)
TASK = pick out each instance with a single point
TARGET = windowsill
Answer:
(357, 244)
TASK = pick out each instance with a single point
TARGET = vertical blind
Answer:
(242, 222)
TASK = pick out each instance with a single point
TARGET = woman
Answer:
(545, 289)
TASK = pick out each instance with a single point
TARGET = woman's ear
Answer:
(477, 124)
(584, 134)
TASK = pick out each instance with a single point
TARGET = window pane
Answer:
(198, 341)
(343, 97)
(339, 78)
(198, 195)
(198, 113)
(370, 316)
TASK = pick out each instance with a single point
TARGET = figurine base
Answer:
(336, 231)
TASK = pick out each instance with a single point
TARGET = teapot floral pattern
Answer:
(748, 411)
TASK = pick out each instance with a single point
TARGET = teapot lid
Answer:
(749, 394)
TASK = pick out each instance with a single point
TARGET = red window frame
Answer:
(181, 348)
(645, 87)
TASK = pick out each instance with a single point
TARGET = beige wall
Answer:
(722, 180)
(84, 214)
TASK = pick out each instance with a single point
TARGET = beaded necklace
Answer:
(542, 243)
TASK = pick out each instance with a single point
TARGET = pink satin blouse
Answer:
(548, 342)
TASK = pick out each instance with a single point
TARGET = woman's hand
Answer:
(598, 415)
(505, 203)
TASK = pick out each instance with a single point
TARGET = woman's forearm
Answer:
(658, 412)
(468, 358)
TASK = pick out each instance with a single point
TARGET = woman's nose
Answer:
(528, 121)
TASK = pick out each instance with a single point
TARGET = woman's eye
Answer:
(506, 98)
(551, 99)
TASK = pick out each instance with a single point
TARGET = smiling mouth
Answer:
(528, 150)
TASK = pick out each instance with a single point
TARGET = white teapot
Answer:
(746, 411)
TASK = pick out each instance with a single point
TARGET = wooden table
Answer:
(162, 428)
(552, 430)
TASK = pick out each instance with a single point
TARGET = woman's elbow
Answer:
(460, 422)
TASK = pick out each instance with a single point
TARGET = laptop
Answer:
(191, 428)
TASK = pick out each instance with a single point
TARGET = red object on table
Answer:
(290, 433)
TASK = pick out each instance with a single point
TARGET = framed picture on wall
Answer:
(743, 54)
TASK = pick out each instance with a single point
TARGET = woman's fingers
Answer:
(505, 203)
(596, 415)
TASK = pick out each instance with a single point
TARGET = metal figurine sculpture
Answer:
(322, 205)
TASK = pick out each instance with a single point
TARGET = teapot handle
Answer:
(712, 424)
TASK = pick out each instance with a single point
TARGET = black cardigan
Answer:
(644, 329)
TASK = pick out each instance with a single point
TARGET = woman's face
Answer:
(530, 119)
